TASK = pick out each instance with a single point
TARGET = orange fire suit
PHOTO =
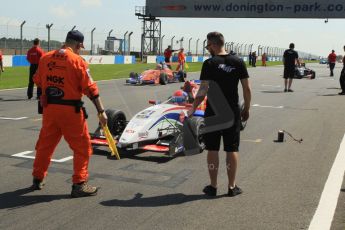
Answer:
(64, 75)
(181, 61)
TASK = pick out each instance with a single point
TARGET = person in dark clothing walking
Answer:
(290, 58)
(250, 58)
(342, 77)
(33, 56)
(254, 59)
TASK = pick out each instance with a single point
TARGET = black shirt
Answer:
(226, 71)
(289, 58)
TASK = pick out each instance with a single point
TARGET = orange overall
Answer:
(64, 75)
(181, 61)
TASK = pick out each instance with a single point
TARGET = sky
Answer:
(309, 35)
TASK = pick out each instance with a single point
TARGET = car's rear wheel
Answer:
(116, 121)
(163, 79)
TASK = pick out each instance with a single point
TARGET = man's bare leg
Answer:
(213, 165)
(290, 82)
(231, 167)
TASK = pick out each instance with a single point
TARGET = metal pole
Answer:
(110, 33)
(259, 49)
(197, 43)
(73, 28)
(203, 47)
(21, 37)
(124, 43)
(93, 30)
(142, 47)
(48, 27)
(189, 46)
(240, 49)
(181, 42)
(172, 42)
(236, 48)
(161, 44)
(129, 42)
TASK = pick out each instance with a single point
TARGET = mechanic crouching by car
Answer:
(64, 78)
(223, 71)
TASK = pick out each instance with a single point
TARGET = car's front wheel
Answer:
(116, 121)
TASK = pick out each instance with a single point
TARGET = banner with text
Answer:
(246, 8)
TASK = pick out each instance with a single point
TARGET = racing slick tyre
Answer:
(116, 121)
(197, 124)
(181, 76)
(313, 75)
(243, 123)
(163, 79)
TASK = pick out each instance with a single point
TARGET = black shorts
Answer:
(231, 138)
(289, 73)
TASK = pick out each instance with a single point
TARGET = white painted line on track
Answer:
(325, 78)
(268, 106)
(13, 118)
(274, 86)
(323, 216)
(25, 155)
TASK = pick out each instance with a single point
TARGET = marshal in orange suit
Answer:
(64, 78)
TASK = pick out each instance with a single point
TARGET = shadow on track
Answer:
(157, 201)
(329, 95)
(135, 155)
(333, 88)
(17, 199)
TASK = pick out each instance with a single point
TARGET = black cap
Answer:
(76, 36)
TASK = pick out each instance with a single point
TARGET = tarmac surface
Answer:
(282, 182)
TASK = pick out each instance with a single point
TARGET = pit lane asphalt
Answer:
(282, 182)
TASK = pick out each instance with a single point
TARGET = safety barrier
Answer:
(158, 59)
(20, 60)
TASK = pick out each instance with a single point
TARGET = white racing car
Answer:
(158, 128)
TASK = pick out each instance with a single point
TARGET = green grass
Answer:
(17, 77)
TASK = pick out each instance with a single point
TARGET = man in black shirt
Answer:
(290, 59)
(223, 72)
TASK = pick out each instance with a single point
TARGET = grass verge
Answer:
(17, 77)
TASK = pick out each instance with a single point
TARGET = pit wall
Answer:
(20, 60)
